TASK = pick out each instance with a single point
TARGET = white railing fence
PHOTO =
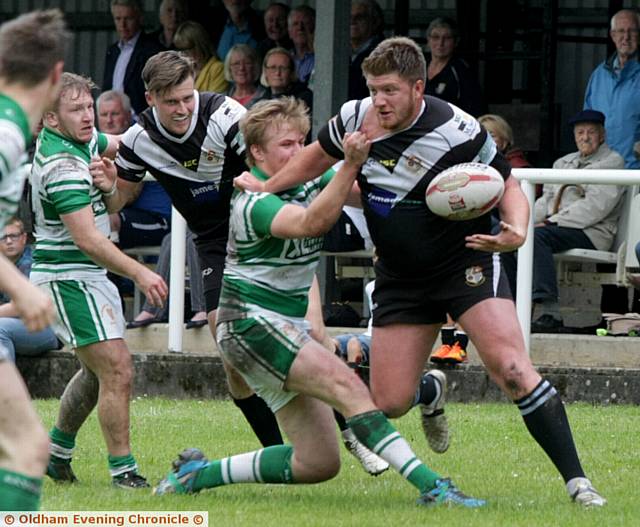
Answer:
(528, 178)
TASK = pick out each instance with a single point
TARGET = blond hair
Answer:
(293, 76)
(274, 113)
(74, 83)
(498, 125)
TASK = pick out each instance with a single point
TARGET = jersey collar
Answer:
(258, 174)
(192, 126)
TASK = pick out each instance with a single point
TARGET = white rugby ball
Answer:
(465, 191)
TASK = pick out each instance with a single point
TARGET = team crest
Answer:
(211, 155)
(414, 164)
(474, 276)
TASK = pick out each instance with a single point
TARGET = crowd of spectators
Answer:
(251, 56)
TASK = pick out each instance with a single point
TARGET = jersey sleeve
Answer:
(328, 175)
(68, 185)
(262, 213)
(223, 128)
(347, 120)
(130, 166)
(12, 148)
(103, 142)
(490, 155)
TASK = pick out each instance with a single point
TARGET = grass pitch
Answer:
(492, 456)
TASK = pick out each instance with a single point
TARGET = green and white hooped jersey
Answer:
(14, 138)
(263, 272)
(61, 184)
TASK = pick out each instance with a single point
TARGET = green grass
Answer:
(492, 456)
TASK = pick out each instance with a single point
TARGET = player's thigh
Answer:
(21, 433)
(398, 355)
(108, 359)
(493, 327)
(310, 427)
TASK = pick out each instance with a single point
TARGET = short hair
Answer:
(278, 51)
(192, 35)
(444, 22)
(14, 220)
(305, 10)
(135, 4)
(280, 5)
(247, 51)
(166, 70)
(31, 45)
(375, 13)
(499, 124)
(72, 82)
(399, 55)
(632, 12)
(114, 95)
(276, 113)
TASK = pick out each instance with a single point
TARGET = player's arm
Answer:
(116, 192)
(32, 305)
(81, 226)
(293, 221)
(318, 330)
(308, 164)
(514, 214)
(113, 141)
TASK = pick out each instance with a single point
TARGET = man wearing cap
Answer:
(615, 84)
(574, 216)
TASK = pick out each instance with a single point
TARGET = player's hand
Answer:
(247, 181)
(104, 173)
(508, 239)
(152, 286)
(34, 307)
(356, 148)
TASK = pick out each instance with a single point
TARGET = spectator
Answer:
(151, 314)
(279, 77)
(574, 216)
(242, 69)
(146, 220)
(192, 38)
(171, 14)
(302, 27)
(275, 26)
(241, 25)
(367, 23)
(126, 58)
(15, 338)
(615, 84)
(449, 77)
(502, 134)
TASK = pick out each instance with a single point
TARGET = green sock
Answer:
(119, 465)
(375, 431)
(61, 446)
(19, 492)
(268, 465)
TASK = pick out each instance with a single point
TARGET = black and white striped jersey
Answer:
(409, 238)
(197, 169)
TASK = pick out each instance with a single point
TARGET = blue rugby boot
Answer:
(185, 469)
(446, 493)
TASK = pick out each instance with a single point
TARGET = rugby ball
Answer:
(465, 191)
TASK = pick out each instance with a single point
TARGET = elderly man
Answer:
(302, 28)
(275, 25)
(614, 86)
(574, 216)
(126, 57)
(365, 31)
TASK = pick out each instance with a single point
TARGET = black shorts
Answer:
(428, 300)
(211, 255)
(141, 228)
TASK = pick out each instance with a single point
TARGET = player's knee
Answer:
(512, 375)
(392, 405)
(324, 471)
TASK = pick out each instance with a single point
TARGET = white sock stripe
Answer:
(412, 466)
(256, 465)
(384, 442)
(224, 470)
(542, 398)
(60, 451)
(534, 395)
(497, 270)
(123, 470)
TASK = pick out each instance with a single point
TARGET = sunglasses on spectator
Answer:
(12, 237)
(277, 68)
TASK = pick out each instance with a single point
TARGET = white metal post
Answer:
(525, 271)
(176, 274)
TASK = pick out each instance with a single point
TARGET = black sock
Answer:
(447, 335)
(546, 420)
(462, 339)
(261, 419)
(342, 423)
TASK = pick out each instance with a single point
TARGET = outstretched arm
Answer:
(308, 164)
(294, 221)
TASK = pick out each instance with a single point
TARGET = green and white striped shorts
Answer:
(262, 349)
(89, 311)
